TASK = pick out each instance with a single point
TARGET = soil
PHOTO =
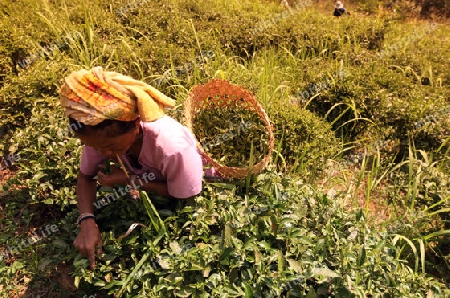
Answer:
(60, 273)
(5, 175)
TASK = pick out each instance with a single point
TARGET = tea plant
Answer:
(228, 134)
(280, 233)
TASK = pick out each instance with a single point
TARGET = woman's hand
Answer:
(116, 177)
(88, 239)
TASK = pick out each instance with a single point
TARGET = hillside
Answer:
(354, 203)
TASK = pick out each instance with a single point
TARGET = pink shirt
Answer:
(169, 154)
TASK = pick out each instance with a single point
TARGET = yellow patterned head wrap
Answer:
(91, 96)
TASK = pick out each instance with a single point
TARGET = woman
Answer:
(339, 9)
(117, 117)
(285, 4)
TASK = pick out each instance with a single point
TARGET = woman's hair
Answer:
(112, 128)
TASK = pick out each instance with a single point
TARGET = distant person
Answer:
(285, 3)
(339, 9)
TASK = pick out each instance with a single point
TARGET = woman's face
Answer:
(109, 146)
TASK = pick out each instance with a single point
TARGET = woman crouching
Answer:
(119, 118)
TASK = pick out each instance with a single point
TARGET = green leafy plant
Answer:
(279, 233)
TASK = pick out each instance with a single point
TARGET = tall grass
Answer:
(422, 227)
(261, 233)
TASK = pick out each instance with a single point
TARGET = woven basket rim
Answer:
(197, 100)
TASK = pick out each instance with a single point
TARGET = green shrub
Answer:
(21, 94)
(278, 240)
(303, 140)
(262, 237)
(39, 132)
(369, 6)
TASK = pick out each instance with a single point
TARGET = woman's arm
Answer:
(89, 236)
(117, 177)
(159, 187)
(86, 193)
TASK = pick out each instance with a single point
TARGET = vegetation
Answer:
(230, 141)
(355, 202)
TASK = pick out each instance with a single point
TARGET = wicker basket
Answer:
(221, 93)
